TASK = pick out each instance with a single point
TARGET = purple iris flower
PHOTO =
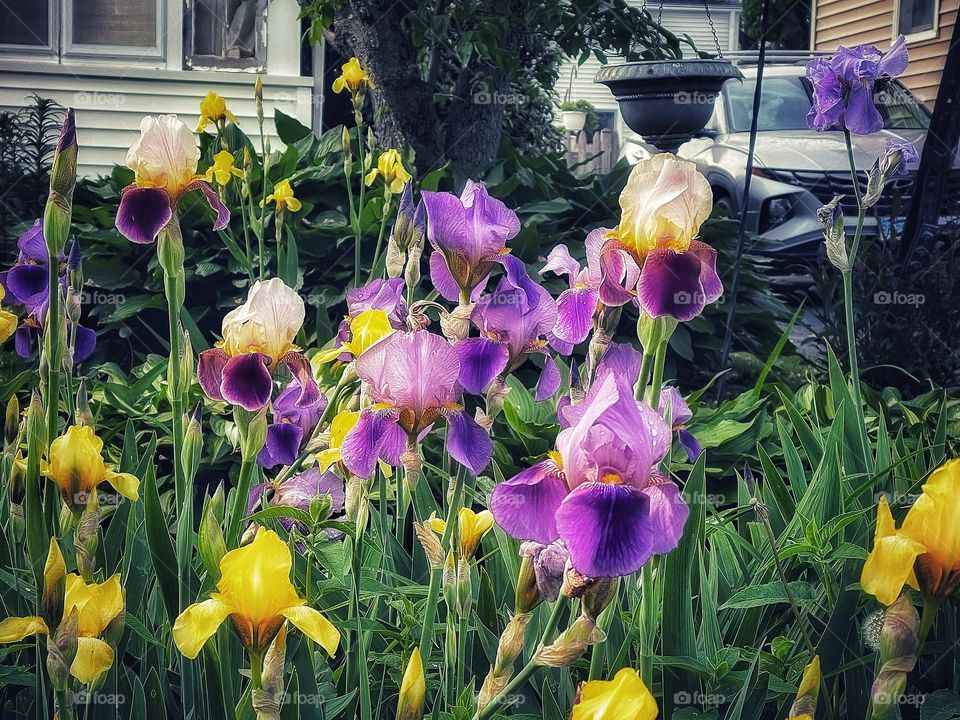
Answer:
(515, 323)
(599, 491)
(298, 492)
(164, 161)
(290, 428)
(549, 562)
(26, 284)
(258, 338)
(843, 86)
(413, 379)
(897, 154)
(577, 305)
(469, 235)
(677, 413)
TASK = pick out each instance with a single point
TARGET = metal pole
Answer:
(745, 200)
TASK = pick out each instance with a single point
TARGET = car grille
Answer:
(894, 201)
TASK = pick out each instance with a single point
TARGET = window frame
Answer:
(71, 50)
(258, 63)
(922, 35)
(50, 50)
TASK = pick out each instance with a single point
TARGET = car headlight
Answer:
(776, 211)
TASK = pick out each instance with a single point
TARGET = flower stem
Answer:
(237, 510)
(521, 677)
(52, 337)
(356, 228)
(379, 246)
(436, 574)
(363, 675)
(929, 614)
(256, 670)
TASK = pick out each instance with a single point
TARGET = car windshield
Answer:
(786, 101)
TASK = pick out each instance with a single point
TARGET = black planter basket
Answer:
(667, 101)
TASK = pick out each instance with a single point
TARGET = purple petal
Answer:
(607, 529)
(362, 445)
(214, 201)
(256, 493)
(525, 505)
(282, 445)
(300, 367)
(894, 61)
(490, 223)
(33, 246)
(481, 360)
(670, 285)
(671, 400)
(446, 221)
(621, 359)
(517, 277)
(468, 443)
(303, 488)
(27, 284)
(549, 563)
(862, 116)
(549, 381)
(380, 294)
(690, 445)
(668, 513)
(247, 381)
(23, 340)
(210, 372)
(442, 279)
(561, 262)
(575, 310)
(86, 343)
(709, 280)
(143, 213)
(612, 269)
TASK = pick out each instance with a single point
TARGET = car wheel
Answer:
(723, 202)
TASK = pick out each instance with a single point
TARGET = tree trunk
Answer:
(403, 103)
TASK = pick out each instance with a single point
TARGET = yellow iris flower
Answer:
(925, 552)
(472, 526)
(77, 467)
(283, 197)
(8, 321)
(366, 330)
(222, 169)
(623, 698)
(390, 167)
(805, 705)
(343, 423)
(352, 77)
(96, 606)
(413, 689)
(256, 593)
(213, 110)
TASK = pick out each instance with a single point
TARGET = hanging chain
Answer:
(713, 29)
(656, 45)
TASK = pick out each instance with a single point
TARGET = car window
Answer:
(785, 102)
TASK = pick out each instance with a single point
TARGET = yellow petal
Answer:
(197, 624)
(293, 204)
(890, 564)
(76, 463)
(15, 629)
(124, 483)
(326, 458)
(315, 626)
(367, 329)
(438, 525)
(473, 526)
(934, 519)
(8, 324)
(623, 698)
(94, 657)
(343, 423)
(413, 689)
(371, 176)
(97, 603)
(339, 84)
(329, 355)
(255, 578)
(55, 567)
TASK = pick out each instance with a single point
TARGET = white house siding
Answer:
(111, 97)
(687, 19)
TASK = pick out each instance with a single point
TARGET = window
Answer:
(917, 19)
(123, 29)
(225, 33)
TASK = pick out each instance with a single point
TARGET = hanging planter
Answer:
(667, 101)
(573, 120)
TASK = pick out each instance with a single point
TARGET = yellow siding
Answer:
(851, 22)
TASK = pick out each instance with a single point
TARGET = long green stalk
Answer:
(521, 677)
(436, 574)
(54, 359)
